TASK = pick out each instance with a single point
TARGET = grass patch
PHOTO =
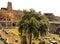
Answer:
(15, 31)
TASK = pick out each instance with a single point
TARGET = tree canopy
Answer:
(33, 23)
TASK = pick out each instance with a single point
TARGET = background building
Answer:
(9, 17)
(54, 22)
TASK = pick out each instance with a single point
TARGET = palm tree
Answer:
(32, 23)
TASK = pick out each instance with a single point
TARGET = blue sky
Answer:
(52, 6)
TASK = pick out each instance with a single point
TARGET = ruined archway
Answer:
(14, 24)
(58, 30)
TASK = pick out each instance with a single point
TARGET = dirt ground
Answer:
(11, 37)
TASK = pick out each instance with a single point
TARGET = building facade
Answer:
(54, 22)
(9, 17)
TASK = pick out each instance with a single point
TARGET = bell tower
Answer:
(9, 6)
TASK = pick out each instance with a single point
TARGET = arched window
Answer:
(58, 30)
(14, 24)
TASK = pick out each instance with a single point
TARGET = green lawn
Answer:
(15, 31)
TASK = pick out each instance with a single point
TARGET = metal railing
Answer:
(6, 24)
(56, 22)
